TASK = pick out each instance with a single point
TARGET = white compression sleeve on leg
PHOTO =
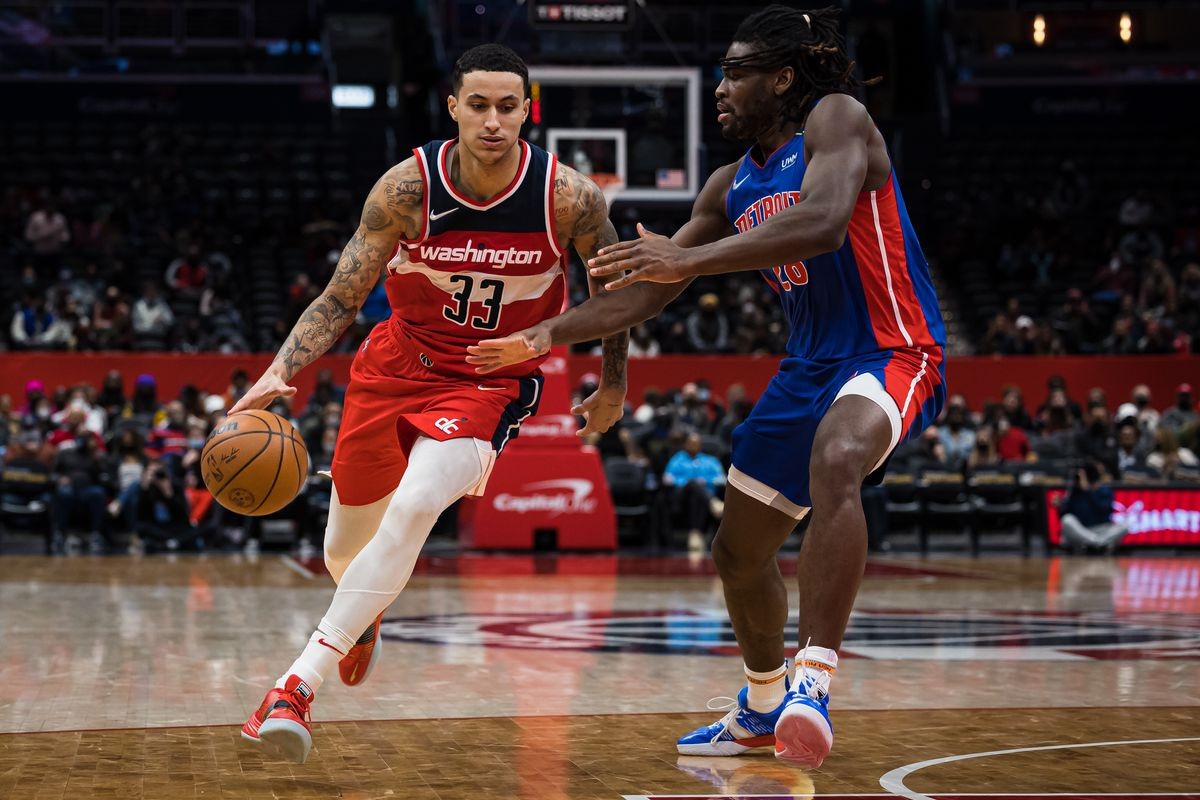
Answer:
(438, 473)
(348, 530)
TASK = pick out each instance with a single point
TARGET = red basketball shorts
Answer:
(393, 398)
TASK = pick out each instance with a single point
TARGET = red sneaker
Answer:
(281, 723)
(357, 664)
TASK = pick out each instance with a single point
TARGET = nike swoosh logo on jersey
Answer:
(483, 388)
(736, 184)
(433, 216)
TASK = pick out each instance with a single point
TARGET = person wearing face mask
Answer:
(956, 436)
(1147, 417)
(1183, 413)
(1097, 441)
(1131, 455)
(984, 452)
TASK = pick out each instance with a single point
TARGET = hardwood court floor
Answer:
(571, 677)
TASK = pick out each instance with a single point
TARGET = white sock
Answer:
(438, 473)
(819, 665)
(765, 690)
(321, 655)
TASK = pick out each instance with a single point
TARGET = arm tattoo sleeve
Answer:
(334, 310)
(393, 210)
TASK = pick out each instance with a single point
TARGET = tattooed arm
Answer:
(612, 311)
(393, 210)
(581, 208)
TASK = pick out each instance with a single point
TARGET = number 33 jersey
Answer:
(478, 270)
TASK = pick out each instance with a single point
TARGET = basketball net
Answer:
(610, 183)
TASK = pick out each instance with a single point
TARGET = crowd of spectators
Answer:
(124, 235)
(72, 293)
(156, 261)
(1047, 262)
(1130, 439)
(118, 467)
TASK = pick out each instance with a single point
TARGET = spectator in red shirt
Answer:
(73, 428)
(1011, 442)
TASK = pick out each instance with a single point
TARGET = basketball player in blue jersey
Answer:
(815, 207)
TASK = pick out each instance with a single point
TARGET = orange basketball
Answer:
(254, 463)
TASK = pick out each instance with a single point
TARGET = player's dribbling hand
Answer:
(650, 257)
(260, 395)
(493, 354)
(601, 410)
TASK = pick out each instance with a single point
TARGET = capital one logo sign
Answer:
(550, 425)
(555, 365)
(564, 496)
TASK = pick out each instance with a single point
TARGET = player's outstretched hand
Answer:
(260, 395)
(493, 354)
(601, 410)
(650, 257)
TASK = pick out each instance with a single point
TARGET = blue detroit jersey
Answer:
(874, 293)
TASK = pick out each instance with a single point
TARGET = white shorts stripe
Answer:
(887, 271)
(912, 387)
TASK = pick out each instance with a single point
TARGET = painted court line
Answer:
(298, 568)
(894, 781)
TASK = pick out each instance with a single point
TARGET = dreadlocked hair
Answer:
(810, 42)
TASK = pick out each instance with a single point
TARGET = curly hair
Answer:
(810, 42)
(490, 58)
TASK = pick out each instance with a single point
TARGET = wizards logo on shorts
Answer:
(901, 635)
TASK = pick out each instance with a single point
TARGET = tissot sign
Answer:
(609, 14)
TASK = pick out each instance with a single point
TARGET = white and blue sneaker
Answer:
(719, 739)
(803, 732)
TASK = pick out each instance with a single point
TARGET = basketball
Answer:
(254, 463)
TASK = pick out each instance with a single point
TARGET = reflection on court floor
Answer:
(535, 677)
